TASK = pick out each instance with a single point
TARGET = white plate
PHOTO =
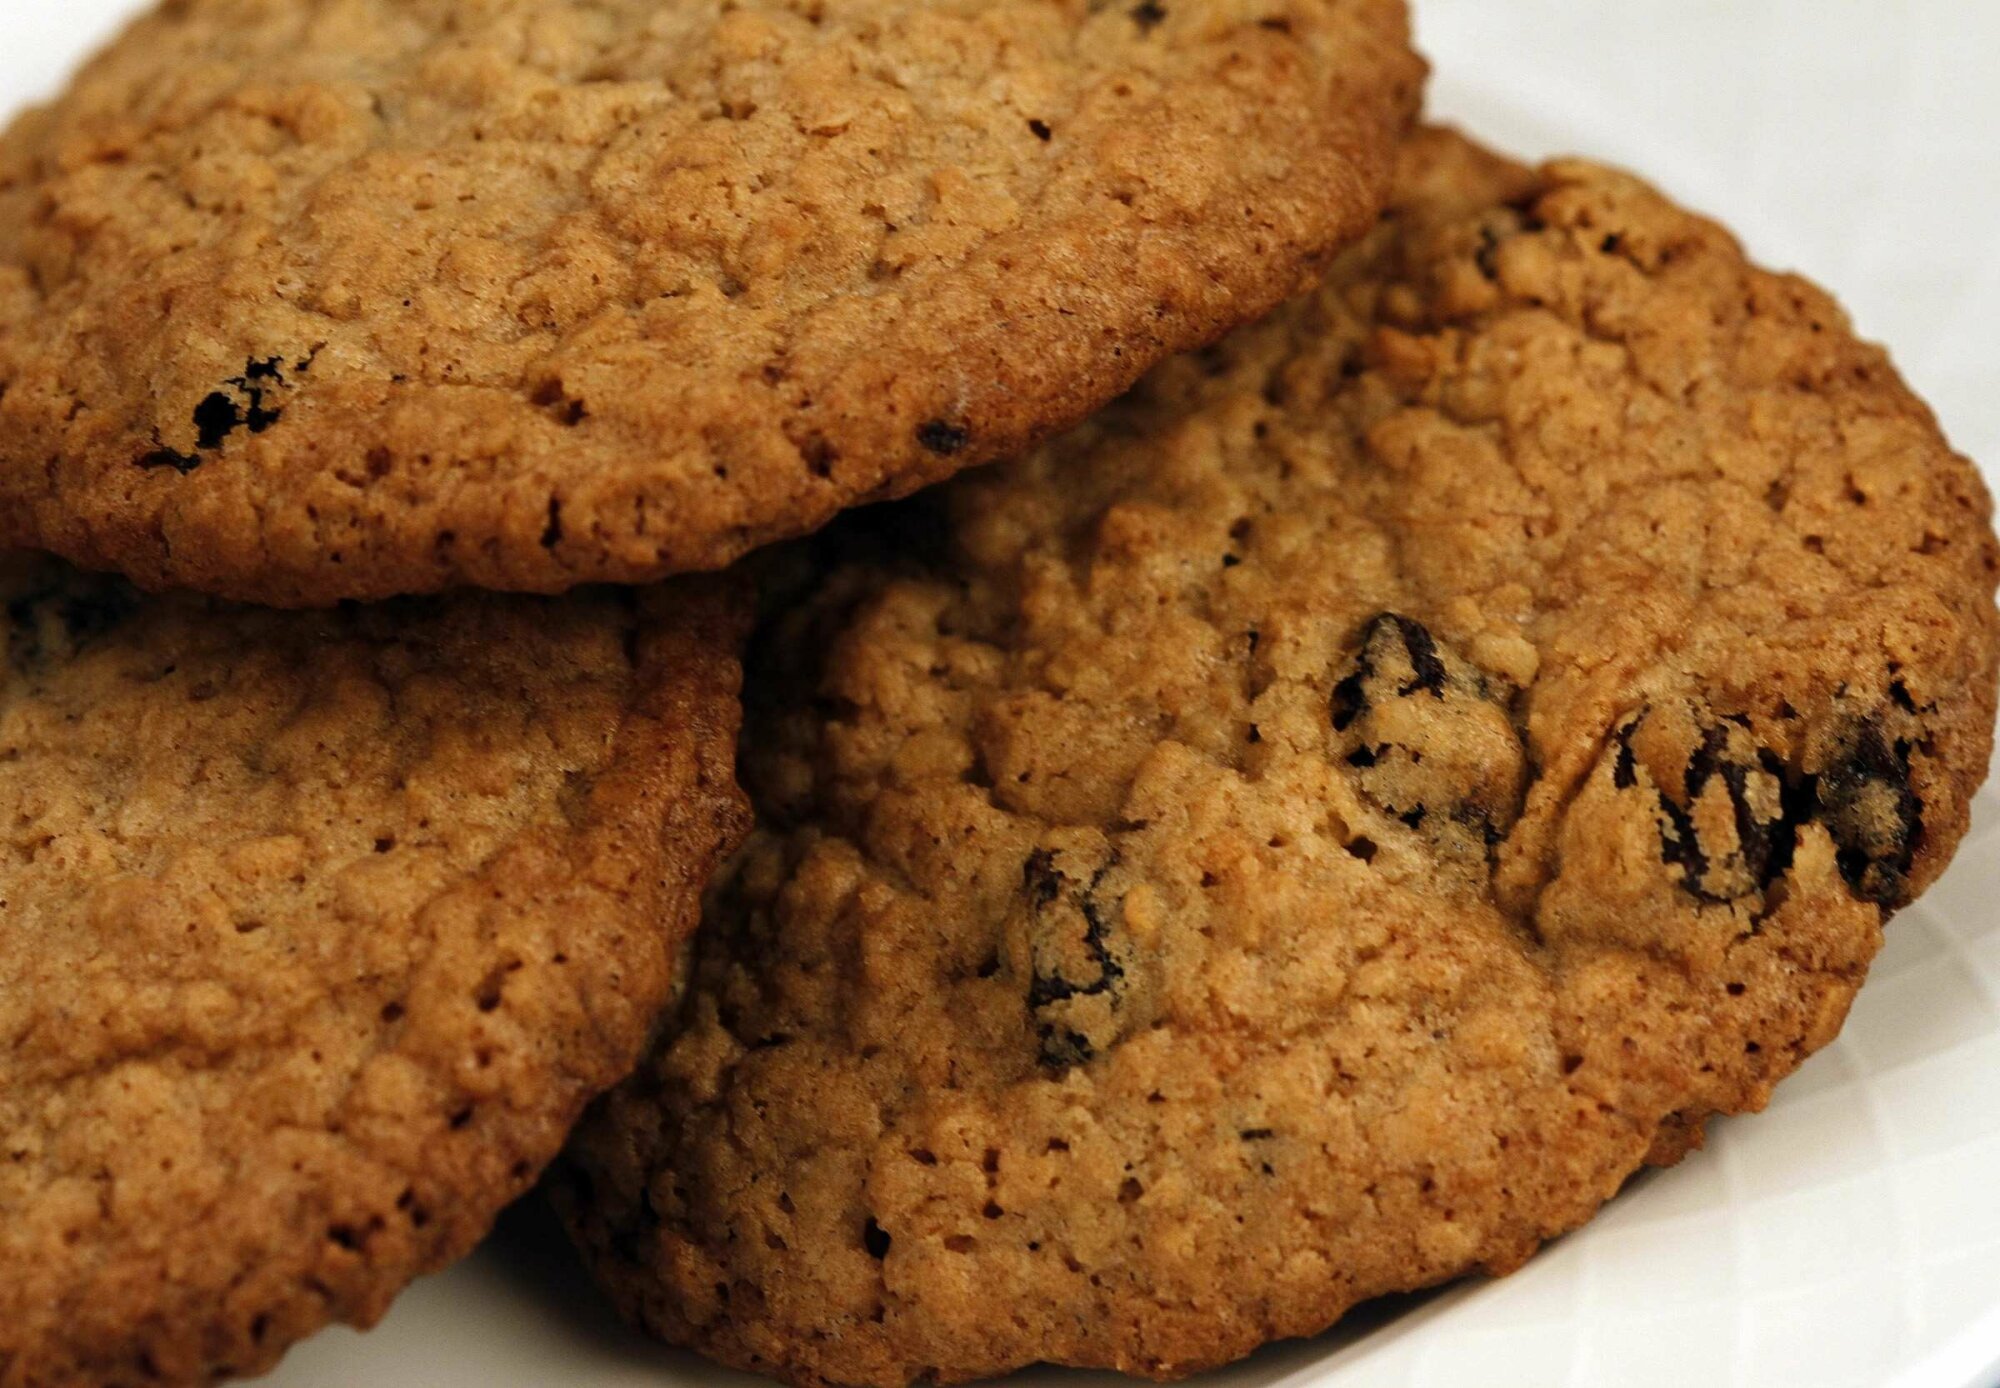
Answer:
(1849, 1236)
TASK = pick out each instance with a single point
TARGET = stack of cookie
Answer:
(1446, 678)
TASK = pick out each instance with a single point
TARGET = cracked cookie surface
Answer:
(320, 930)
(350, 298)
(1319, 828)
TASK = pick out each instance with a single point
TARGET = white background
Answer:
(1850, 1236)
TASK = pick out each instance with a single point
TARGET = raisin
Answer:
(1428, 742)
(1148, 15)
(183, 463)
(1721, 855)
(1388, 634)
(943, 438)
(243, 402)
(1872, 814)
(1078, 980)
(1730, 810)
(215, 419)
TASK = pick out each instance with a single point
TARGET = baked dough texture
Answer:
(320, 930)
(304, 300)
(1318, 829)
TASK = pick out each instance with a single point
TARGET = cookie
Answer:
(320, 932)
(349, 298)
(1320, 828)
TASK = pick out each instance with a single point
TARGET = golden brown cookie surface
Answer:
(1322, 826)
(320, 929)
(347, 298)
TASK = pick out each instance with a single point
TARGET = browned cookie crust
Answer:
(1321, 827)
(320, 930)
(326, 299)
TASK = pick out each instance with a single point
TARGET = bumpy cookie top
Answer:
(1322, 826)
(320, 932)
(312, 299)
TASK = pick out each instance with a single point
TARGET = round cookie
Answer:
(1321, 827)
(321, 929)
(349, 298)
